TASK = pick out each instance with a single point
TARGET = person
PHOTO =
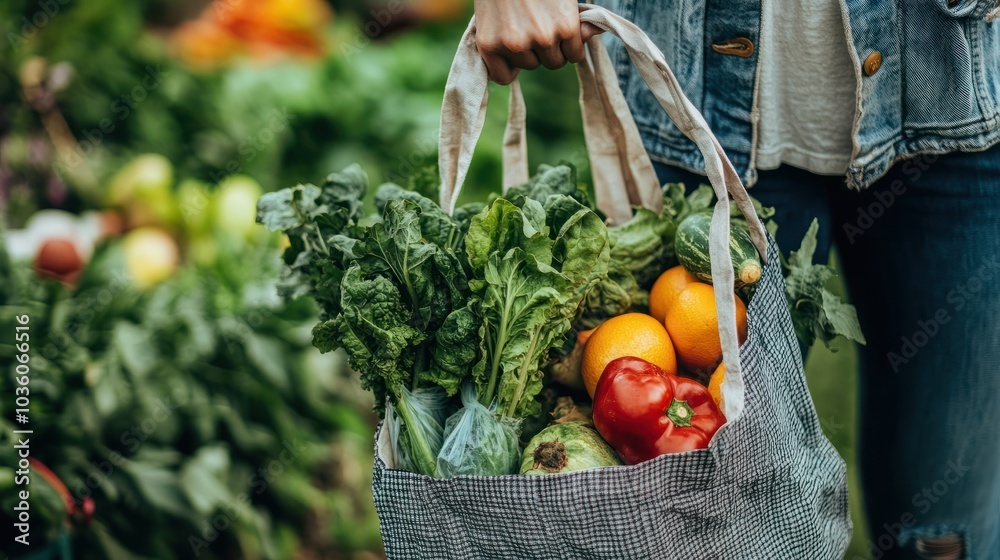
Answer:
(880, 119)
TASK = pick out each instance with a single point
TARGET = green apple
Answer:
(143, 189)
(235, 206)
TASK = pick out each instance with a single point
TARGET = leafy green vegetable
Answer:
(457, 347)
(532, 276)
(425, 411)
(177, 396)
(641, 249)
(477, 442)
(436, 226)
(396, 249)
(817, 313)
(581, 249)
(552, 180)
(314, 220)
(640, 242)
(420, 299)
(522, 303)
(372, 327)
(504, 226)
(700, 200)
(425, 181)
(394, 294)
(614, 295)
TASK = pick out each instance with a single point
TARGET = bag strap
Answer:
(515, 142)
(463, 113)
(623, 171)
(614, 146)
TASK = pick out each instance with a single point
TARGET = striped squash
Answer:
(691, 246)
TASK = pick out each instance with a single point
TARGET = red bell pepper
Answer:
(645, 412)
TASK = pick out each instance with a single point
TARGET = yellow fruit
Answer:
(715, 384)
(693, 324)
(666, 288)
(143, 189)
(236, 206)
(151, 255)
(632, 334)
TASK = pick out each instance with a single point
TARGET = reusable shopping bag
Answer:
(770, 485)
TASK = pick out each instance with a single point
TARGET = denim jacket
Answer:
(928, 73)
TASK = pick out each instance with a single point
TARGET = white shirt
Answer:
(807, 89)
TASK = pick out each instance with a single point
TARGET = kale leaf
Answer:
(817, 313)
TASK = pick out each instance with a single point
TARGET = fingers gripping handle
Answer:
(623, 175)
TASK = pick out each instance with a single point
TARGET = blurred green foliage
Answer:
(376, 102)
(197, 410)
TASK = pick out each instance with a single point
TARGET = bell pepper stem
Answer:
(680, 413)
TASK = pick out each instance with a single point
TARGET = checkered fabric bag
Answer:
(769, 485)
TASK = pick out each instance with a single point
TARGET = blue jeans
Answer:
(920, 253)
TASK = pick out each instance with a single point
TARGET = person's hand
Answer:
(515, 34)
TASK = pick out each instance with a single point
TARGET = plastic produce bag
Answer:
(477, 442)
(429, 407)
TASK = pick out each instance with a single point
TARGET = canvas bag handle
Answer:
(463, 115)
(623, 176)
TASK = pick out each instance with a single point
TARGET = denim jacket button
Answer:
(740, 46)
(873, 63)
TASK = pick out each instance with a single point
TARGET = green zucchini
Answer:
(691, 246)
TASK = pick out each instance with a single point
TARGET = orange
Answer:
(693, 324)
(715, 384)
(632, 334)
(666, 288)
